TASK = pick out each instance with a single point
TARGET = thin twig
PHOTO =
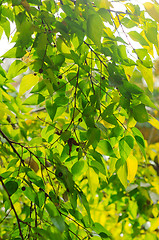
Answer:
(10, 143)
(12, 206)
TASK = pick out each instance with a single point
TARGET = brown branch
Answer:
(12, 206)
(10, 143)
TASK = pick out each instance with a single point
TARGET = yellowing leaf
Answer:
(132, 208)
(128, 71)
(154, 224)
(93, 180)
(117, 20)
(153, 10)
(132, 165)
(122, 174)
(62, 47)
(148, 76)
(5, 111)
(7, 96)
(105, 4)
(154, 122)
(27, 83)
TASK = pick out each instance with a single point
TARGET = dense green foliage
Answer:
(73, 163)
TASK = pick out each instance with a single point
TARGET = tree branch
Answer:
(12, 206)
(10, 143)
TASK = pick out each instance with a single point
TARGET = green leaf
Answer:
(105, 148)
(139, 139)
(144, 58)
(139, 113)
(6, 26)
(12, 163)
(35, 179)
(146, 101)
(30, 194)
(65, 176)
(93, 137)
(15, 52)
(133, 207)
(78, 167)
(11, 187)
(39, 87)
(58, 223)
(102, 231)
(126, 144)
(51, 209)
(41, 44)
(66, 135)
(16, 68)
(151, 32)
(34, 99)
(61, 101)
(85, 204)
(95, 29)
(138, 38)
(105, 15)
(128, 23)
(28, 81)
(25, 32)
(51, 109)
(41, 198)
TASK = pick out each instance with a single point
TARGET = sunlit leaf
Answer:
(148, 76)
(138, 38)
(95, 28)
(132, 165)
(154, 122)
(122, 174)
(34, 99)
(153, 10)
(27, 83)
(133, 209)
(93, 180)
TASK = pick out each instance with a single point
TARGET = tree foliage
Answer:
(74, 165)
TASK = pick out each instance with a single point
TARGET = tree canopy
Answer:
(74, 164)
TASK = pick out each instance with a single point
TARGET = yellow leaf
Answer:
(131, 122)
(154, 122)
(128, 71)
(117, 20)
(154, 224)
(93, 180)
(132, 165)
(132, 208)
(148, 76)
(153, 10)
(105, 4)
(122, 174)
(7, 96)
(5, 111)
(27, 83)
